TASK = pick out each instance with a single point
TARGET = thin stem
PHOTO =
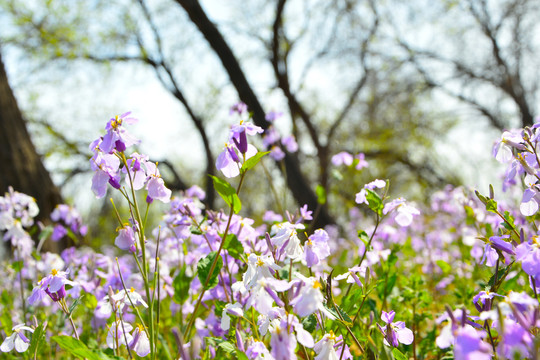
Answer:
(378, 221)
(124, 333)
(129, 298)
(22, 295)
(214, 263)
(534, 287)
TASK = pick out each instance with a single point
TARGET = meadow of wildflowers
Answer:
(457, 278)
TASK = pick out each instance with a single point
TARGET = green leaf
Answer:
(446, 269)
(252, 161)
(346, 318)
(471, 218)
(75, 304)
(362, 235)
(89, 301)
(501, 274)
(353, 299)
(227, 193)
(234, 246)
(203, 270)
(309, 323)
(509, 224)
(38, 339)
(227, 347)
(491, 205)
(75, 347)
(181, 285)
(398, 355)
(374, 201)
(195, 231)
(17, 265)
(321, 194)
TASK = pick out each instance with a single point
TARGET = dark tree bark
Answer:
(296, 181)
(20, 165)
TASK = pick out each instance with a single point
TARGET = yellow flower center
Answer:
(331, 336)
(54, 272)
(116, 122)
(317, 284)
(259, 262)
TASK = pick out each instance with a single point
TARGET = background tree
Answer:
(345, 74)
(20, 165)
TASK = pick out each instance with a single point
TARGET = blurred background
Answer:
(421, 88)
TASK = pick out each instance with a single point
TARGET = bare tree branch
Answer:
(296, 181)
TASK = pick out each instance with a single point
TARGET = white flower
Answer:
(325, 347)
(286, 239)
(233, 309)
(309, 298)
(17, 339)
(258, 268)
(116, 334)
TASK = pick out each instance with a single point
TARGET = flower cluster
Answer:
(218, 284)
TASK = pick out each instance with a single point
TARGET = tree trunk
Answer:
(296, 181)
(20, 165)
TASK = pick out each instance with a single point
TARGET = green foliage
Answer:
(77, 348)
(374, 202)
(321, 194)
(252, 161)
(181, 284)
(227, 193)
(203, 270)
(233, 246)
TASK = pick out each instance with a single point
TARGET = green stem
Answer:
(213, 266)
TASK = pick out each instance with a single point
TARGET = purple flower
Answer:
(283, 341)
(52, 285)
(228, 162)
(286, 239)
(342, 158)
(361, 196)
(259, 267)
(529, 255)
(485, 298)
(117, 136)
(290, 143)
(468, 344)
(276, 153)
(106, 171)
(404, 212)
(126, 238)
(306, 214)
(490, 253)
(395, 333)
(58, 232)
(238, 108)
(516, 341)
(157, 189)
(273, 115)
(362, 163)
(256, 350)
(316, 248)
(352, 276)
